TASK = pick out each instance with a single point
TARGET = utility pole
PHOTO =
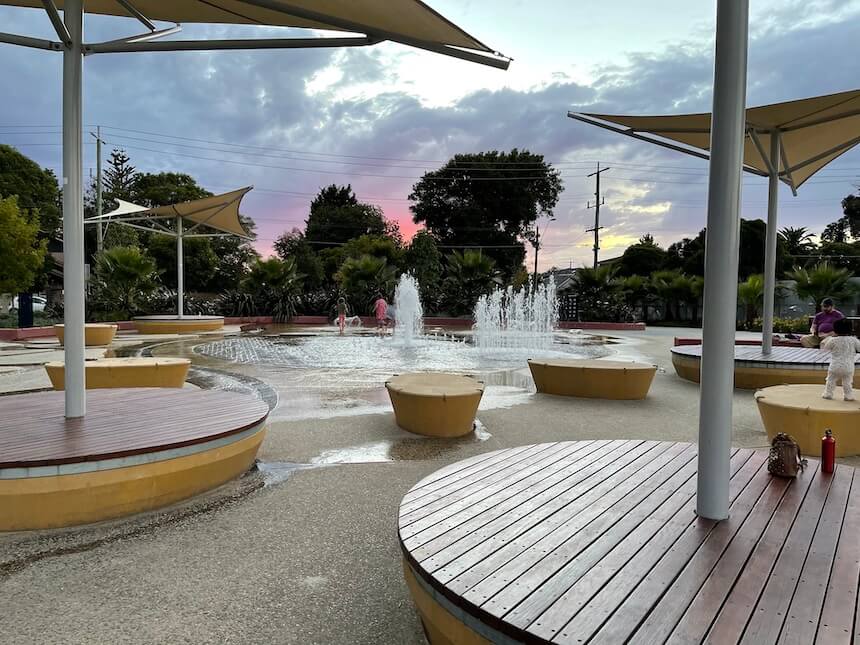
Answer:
(99, 229)
(598, 201)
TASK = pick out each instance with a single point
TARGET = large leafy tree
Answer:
(22, 253)
(293, 246)
(424, 262)
(199, 261)
(35, 187)
(847, 226)
(490, 199)
(822, 281)
(469, 275)
(336, 216)
(642, 258)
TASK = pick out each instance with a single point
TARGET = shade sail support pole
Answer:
(73, 213)
(180, 270)
(770, 246)
(721, 259)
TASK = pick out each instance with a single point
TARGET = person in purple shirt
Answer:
(822, 324)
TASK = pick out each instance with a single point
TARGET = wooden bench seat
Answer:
(126, 372)
(594, 379)
(800, 411)
(433, 404)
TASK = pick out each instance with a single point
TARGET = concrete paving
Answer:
(300, 555)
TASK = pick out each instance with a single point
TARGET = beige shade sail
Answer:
(398, 20)
(219, 212)
(813, 132)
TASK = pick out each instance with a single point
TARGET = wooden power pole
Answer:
(598, 201)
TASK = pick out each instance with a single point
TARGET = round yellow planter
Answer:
(433, 404)
(66, 500)
(593, 378)
(125, 372)
(95, 334)
(800, 411)
(174, 325)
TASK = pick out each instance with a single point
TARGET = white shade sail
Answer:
(219, 212)
(813, 132)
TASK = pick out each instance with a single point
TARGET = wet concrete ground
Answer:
(304, 550)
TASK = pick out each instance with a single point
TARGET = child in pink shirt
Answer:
(379, 309)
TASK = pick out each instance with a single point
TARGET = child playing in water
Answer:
(843, 347)
(341, 314)
(379, 309)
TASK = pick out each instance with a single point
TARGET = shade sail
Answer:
(813, 131)
(220, 212)
(398, 20)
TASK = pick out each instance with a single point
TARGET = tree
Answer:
(595, 289)
(469, 275)
(123, 278)
(235, 256)
(363, 277)
(293, 246)
(21, 250)
(822, 281)
(797, 241)
(837, 231)
(165, 188)
(642, 259)
(424, 262)
(851, 210)
(199, 261)
(751, 295)
(118, 177)
(676, 288)
(36, 189)
(337, 216)
(636, 291)
(377, 246)
(490, 199)
(845, 255)
(275, 285)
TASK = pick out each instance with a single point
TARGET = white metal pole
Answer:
(770, 246)
(180, 270)
(73, 213)
(721, 259)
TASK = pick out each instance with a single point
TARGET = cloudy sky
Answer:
(289, 122)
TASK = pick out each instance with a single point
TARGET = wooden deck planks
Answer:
(778, 356)
(611, 551)
(119, 422)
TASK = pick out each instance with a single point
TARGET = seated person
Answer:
(822, 324)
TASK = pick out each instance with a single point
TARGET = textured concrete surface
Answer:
(303, 554)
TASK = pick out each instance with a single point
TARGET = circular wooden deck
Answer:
(169, 324)
(598, 542)
(754, 370)
(136, 449)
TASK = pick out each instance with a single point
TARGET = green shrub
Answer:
(785, 325)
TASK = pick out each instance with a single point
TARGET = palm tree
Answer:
(594, 288)
(363, 277)
(123, 278)
(470, 275)
(822, 281)
(275, 285)
(797, 242)
(636, 291)
(751, 295)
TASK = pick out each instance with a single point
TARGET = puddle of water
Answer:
(277, 472)
(368, 453)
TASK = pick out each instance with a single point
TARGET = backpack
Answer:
(784, 459)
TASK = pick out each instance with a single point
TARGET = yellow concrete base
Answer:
(441, 627)
(800, 411)
(592, 378)
(68, 500)
(754, 378)
(95, 334)
(436, 405)
(186, 325)
(125, 372)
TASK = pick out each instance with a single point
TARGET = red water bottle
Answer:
(828, 452)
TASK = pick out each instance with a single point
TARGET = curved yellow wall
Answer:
(435, 416)
(95, 334)
(801, 412)
(68, 500)
(125, 372)
(593, 381)
(177, 326)
(754, 378)
(441, 627)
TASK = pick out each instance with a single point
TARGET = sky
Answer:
(292, 121)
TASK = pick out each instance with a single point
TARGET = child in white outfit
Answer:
(843, 347)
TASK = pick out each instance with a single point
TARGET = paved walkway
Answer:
(308, 553)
